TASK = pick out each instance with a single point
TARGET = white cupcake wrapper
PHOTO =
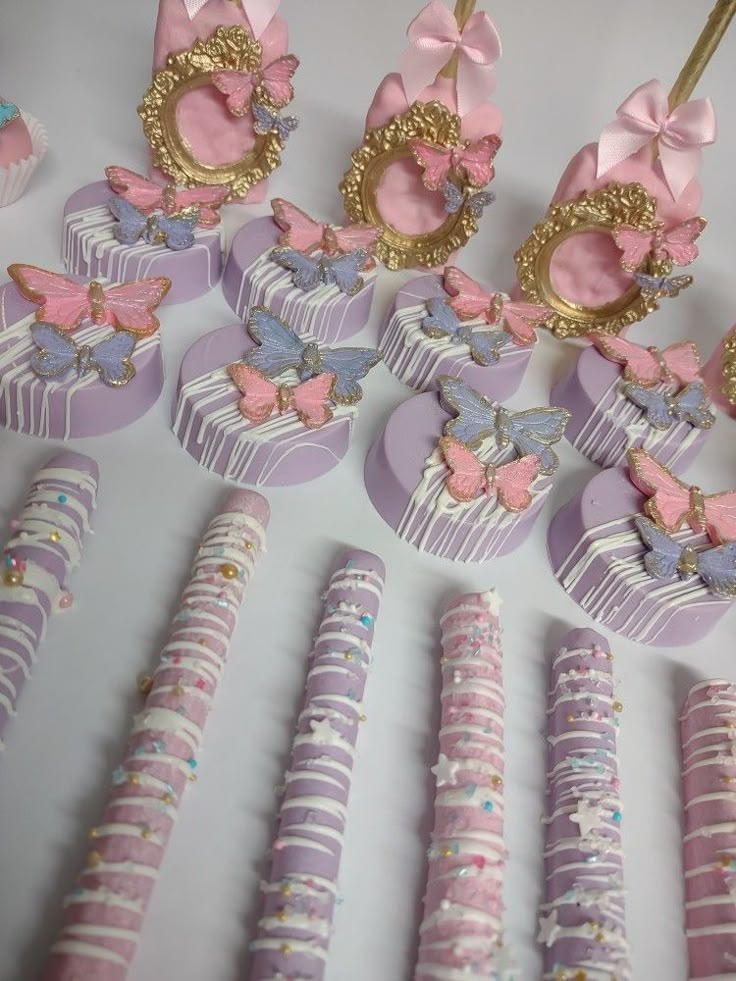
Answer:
(14, 179)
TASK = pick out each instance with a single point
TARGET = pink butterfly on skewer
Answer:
(65, 304)
(304, 234)
(648, 365)
(677, 244)
(474, 160)
(469, 478)
(274, 79)
(470, 300)
(672, 503)
(261, 397)
(148, 197)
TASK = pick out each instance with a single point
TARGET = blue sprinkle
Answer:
(139, 751)
(617, 816)
(192, 764)
(62, 499)
(351, 695)
(180, 710)
(470, 789)
(157, 746)
(487, 805)
(366, 620)
(119, 775)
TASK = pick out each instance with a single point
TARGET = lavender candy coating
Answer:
(48, 539)
(91, 250)
(299, 894)
(405, 476)
(582, 923)
(251, 279)
(606, 424)
(210, 427)
(68, 407)
(597, 555)
(418, 360)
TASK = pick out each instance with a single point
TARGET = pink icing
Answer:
(105, 912)
(708, 727)
(15, 142)
(587, 268)
(404, 202)
(463, 905)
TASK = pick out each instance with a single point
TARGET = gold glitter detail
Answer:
(94, 859)
(229, 571)
(604, 212)
(231, 48)
(55, 536)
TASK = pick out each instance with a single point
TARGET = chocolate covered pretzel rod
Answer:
(45, 547)
(461, 934)
(104, 914)
(582, 925)
(299, 896)
(708, 728)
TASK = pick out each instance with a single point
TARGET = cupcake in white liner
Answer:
(15, 174)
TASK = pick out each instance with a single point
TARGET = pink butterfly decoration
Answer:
(672, 503)
(274, 79)
(470, 301)
(65, 304)
(469, 478)
(261, 397)
(148, 197)
(304, 234)
(677, 243)
(474, 160)
(678, 363)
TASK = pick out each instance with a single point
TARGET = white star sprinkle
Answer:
(445, 770)
(504, 964)
(588, 817)
(549, 929)
(323, 732)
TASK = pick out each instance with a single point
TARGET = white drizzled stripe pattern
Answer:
(708, 729)
(104, 914)
(582, 924)
(461, 934)
(48, 539)
(210, 426)
(299, 896)
(605, 574)
(435, 522)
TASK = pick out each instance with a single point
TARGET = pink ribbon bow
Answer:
(260, 13)
(680, 134)
(434, 37)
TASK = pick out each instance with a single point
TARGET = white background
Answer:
(81, 67)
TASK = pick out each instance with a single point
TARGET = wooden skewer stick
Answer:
(705, 48)
(464, 10)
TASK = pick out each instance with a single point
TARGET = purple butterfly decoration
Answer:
(58, 354)
(265, 121)
(309, 272)
(476, 203)
(281, 348)
(175, 232)
(657, 286)
(532, 432)
(664, 410)
(668, 559)
(443, 322)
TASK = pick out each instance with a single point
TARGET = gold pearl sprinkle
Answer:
(600, 937)
(348, 657)
(729, 780)
(55, 536)
(286, 949)
(618, 707)
(94, 833)
(496, 781)
(570, 717)
(724, 860)
(447, 852)
(147, 834)
(94, 859)
(145, 685)
(282, 917)
(229, 571)
(609, 657)
(134, 779)
(168, 799)
(731, 724)
(364, 718)
(178, 690)
(581, 975)
(286, 890)
(13, 578)
(247, 545)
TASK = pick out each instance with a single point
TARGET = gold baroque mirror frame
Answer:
(604, 212)
(230, 48)
(383, 146)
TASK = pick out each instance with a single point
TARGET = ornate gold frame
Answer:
(600, 211)
(383, 146)
(728, 365)
(231, 48)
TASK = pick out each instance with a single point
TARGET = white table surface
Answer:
(81, 67)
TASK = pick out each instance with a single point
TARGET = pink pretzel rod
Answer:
(45, 547)
(299, 897)
(461, 933)
(708, 728)
(104, 914)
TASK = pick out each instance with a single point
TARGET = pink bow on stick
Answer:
(434, 36)
(680, 134)
(260, 13)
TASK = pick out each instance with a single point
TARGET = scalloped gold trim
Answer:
(229, 47)
(383, 146)
(600, 211)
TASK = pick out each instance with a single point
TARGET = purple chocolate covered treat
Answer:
(582, 923)
(90, 249)
(418, 359)
(252, 279)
